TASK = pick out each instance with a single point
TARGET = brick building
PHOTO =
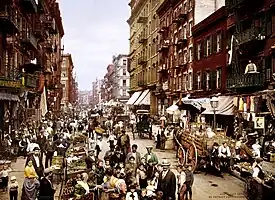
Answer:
(210, 55)
(176, 47)
(30, 54)
(67, 80)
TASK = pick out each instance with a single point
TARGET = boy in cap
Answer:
(189, 180)
(13, 188)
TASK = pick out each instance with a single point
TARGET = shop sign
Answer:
(11, 84)
(259, 123)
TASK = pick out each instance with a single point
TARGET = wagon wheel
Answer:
(181, 155)
(192, 156)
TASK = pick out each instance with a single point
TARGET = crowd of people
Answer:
(120, 173)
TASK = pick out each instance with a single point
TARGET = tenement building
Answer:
(144, 38)
(122, 78)
(30, 55)
(67, 80)
(176, 46)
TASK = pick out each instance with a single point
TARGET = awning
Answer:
(144, 98)
(133, 98)
(225, 107)
(172, 109)
(8, 97)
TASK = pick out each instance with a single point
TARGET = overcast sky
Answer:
(95, 30)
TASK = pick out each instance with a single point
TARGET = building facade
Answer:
(67, 80)
(176, 46)
(30, 54)
(122, 78)
(210, 55)
(251, 64)
(143, 55)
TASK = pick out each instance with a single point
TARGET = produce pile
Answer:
(77, 165)
(79, 138)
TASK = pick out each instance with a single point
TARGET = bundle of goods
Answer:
(77, 151)
(79, 138)
(68, 191)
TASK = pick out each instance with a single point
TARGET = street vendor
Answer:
(151, 156)
(258, 175)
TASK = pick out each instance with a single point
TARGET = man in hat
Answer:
(151, 156)
(110, 152)
(167, 182)
(124, 142)
(37, 162)
(189, 180)
(46, 191)
(135, 154)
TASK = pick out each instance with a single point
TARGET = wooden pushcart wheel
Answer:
(181, 156)
(192, 156)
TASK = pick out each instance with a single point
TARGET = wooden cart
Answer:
(194, 148)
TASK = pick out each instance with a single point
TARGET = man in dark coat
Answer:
(46, 191)
(37, 162)
(167, 182)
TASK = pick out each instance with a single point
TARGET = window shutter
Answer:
(214, 43)
(195, 81)
(221, 42)
(213, 80)
(205, 47)
(211, 44)
(203, 80)
(195, 50)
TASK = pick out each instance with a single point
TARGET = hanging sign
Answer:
(259, 123)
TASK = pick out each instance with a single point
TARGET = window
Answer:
(124, 83)
(190, 54)
(124, 92)
(208, 47)
(207, 80)
(190, 5)
(219, 40)
(124, 72)
(199, 80)
(199, 51)
(184, 82)
(184, 32)
(190, 28)
(190, 80)
(219, 78)
(185, 57)
(124, 62)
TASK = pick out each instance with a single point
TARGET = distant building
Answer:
(67, 80)
(121, 78)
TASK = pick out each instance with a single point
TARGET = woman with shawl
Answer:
(31, 184)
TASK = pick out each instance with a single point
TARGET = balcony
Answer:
(7, 83)
(142, 20)
(29, 6)
(40, 32)
(50, 25)
(164, 45)
(142, 60)
(142, 38)
(245, 81)
(179, 16)
(162, 68)
(8, 20)
(49, 47)
(163, 27)
(249, 35)
(29, 40)
(31, 80)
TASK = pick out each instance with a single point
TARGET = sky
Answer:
(95, 30)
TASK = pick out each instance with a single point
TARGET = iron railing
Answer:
(246, 80)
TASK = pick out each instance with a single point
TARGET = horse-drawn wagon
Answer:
(194, 148)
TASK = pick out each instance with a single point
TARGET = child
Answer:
(13, 188)
(107, 164)
(132, 194)
(142, 176)
(5, 176)
(143, 195)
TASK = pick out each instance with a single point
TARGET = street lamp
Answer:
(214, 102)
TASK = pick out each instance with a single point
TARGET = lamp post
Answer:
(214, 102)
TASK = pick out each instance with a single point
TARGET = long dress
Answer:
(30, 189)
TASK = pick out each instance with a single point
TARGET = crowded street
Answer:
(205, 186)
(137, 99)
